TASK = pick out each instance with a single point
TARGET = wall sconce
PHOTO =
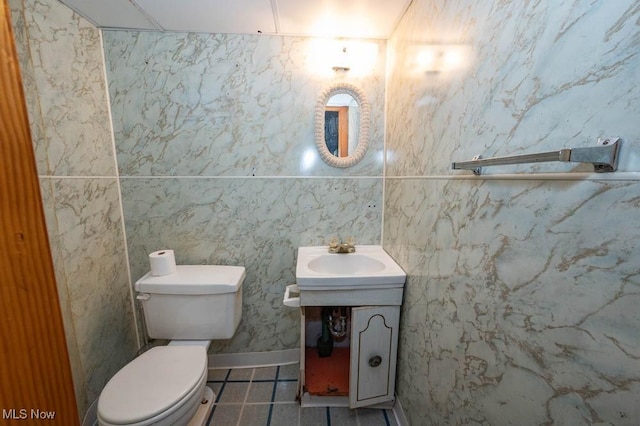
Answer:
(341, 60)
(437, 58)
(327, 56)
(356, 56)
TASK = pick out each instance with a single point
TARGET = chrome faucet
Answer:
(345, 247)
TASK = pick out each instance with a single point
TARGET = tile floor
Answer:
(267, 396)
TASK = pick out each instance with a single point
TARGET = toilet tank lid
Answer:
(194, 279)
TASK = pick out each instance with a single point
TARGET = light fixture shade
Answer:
(328, 56)
(342, 59)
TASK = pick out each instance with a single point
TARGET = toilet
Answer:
(166, 385)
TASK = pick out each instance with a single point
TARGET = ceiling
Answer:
(323, 18)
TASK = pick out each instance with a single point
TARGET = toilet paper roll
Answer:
(162, 262)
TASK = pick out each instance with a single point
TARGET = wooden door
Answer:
(35, 376)
(336, 130)
(374, 344)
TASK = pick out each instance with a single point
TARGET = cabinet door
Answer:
(374, 344)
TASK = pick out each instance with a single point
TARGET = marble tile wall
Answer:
(63, 73)
(214, 140)
(523, 285)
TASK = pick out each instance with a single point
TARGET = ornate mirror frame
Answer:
(363, 139)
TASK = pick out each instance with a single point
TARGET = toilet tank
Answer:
(197, 302)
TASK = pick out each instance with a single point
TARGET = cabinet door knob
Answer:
(375, 361)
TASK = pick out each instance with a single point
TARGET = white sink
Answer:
(368, 267)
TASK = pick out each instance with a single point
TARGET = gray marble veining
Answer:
(91, 241)
(36, 124)
(63, 79)
(215, 145)
(225, 105)
(520, 304)
(254, 222)
(514, 302)
(522, 71)
(72, 98)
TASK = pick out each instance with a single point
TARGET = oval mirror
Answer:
(342, 125)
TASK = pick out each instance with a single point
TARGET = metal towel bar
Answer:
(604, 158)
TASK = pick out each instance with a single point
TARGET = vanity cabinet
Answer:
(362, 372)
(358, 292)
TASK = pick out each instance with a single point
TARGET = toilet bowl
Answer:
(166, 385)
(163, 386)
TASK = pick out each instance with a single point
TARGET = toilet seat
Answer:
(164, 382)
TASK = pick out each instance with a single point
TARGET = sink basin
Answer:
(368, 267)
(354, 263)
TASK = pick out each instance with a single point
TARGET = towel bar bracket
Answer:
(604, 158)
(476, 170)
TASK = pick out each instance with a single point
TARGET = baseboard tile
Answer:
(254, 359)
(91, 416)
(398, 412)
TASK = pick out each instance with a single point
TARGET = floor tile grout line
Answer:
(217, 398)
(272, 402)
(273, 396)
(246, 395)
(386, 418)
(222, 387)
